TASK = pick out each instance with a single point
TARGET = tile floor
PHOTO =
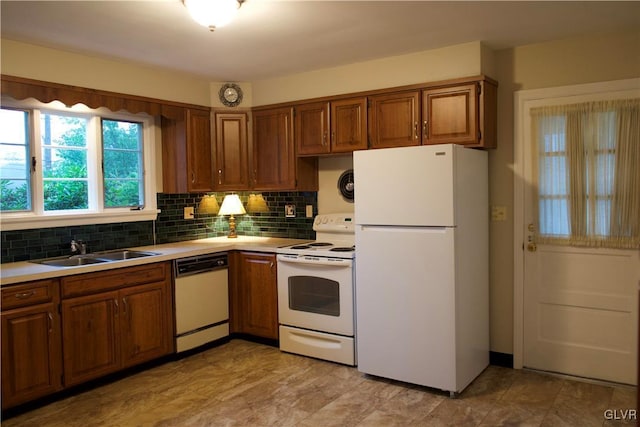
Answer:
(247, 384)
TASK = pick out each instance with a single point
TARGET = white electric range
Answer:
(316, 301)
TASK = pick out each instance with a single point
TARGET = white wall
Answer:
(40, 63)
(432, 65)
(329, 198)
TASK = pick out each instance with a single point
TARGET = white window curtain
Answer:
(588, 172)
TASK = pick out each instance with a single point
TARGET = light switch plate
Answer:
(309, 211)
(188, 212)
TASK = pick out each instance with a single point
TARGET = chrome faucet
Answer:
(78, 247)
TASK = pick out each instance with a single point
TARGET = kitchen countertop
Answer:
(24, 271)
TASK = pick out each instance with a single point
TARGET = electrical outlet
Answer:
(188, 212)
(498, 213)
(309, 211)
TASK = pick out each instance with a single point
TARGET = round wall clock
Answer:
(230, 94)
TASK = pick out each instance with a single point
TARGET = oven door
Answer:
(316, 293)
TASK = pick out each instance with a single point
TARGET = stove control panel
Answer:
(335, 223)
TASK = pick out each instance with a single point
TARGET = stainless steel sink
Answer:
(94, 258)
(120, 255)
(70, 262)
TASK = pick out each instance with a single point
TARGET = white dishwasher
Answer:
(201, 300)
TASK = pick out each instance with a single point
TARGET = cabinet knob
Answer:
(415, 129)
(220, 176)
(424, 129)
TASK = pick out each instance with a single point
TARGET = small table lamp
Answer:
(231, 205)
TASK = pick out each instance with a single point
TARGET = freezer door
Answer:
(405, 299)
(405, 186)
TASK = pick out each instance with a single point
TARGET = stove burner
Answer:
(301, 247)
(320, 244)
(342, 249)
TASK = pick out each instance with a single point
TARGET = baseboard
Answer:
(501, 359)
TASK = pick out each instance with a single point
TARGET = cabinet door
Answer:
(145, 327)
(393, 120)
(272, 154)
(90, 326)
(199, 165)
(260, 295)
(31, 355)
(349, 125)
(450, 115)
(232, 156)
(312, 128)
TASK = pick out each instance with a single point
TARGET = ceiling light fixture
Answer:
(212, 13)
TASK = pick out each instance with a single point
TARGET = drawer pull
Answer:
(25, 295)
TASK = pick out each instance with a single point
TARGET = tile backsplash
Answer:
(22, 245)
(172, 227)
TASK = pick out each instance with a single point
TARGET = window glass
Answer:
(64, 162)
(15, 183)
(122, 163)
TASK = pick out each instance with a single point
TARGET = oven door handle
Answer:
(311, 261)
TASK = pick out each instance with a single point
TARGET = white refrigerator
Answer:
(422, 285)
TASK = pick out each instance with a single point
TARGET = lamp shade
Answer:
(208, 205)
(231, 205)
(257, 204)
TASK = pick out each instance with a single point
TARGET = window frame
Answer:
(98, 213)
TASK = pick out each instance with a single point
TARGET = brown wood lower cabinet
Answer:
(31, 355)
(254, 297)
(107, 331)
(109, 321)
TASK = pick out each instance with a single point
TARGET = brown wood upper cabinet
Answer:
(331, 127)
(231, 171)
(394, 119)
(186, 150)
(272, 154)
(461, 114)
(31, 350)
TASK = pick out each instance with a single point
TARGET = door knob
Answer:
(531, 247)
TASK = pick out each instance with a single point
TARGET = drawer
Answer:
(90, 283)
(30, 293)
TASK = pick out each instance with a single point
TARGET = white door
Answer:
(407, 186)
(580, 304)
(405, 297)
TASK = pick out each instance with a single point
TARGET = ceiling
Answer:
(271, 38)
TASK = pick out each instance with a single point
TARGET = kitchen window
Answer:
(588, 179)
(70, 166)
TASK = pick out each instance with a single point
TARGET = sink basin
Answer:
(70, 262)
(95, 258)
(120, 255)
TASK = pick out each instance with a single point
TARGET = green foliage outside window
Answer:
(65, 170)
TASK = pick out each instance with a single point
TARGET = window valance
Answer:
(20, 88)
